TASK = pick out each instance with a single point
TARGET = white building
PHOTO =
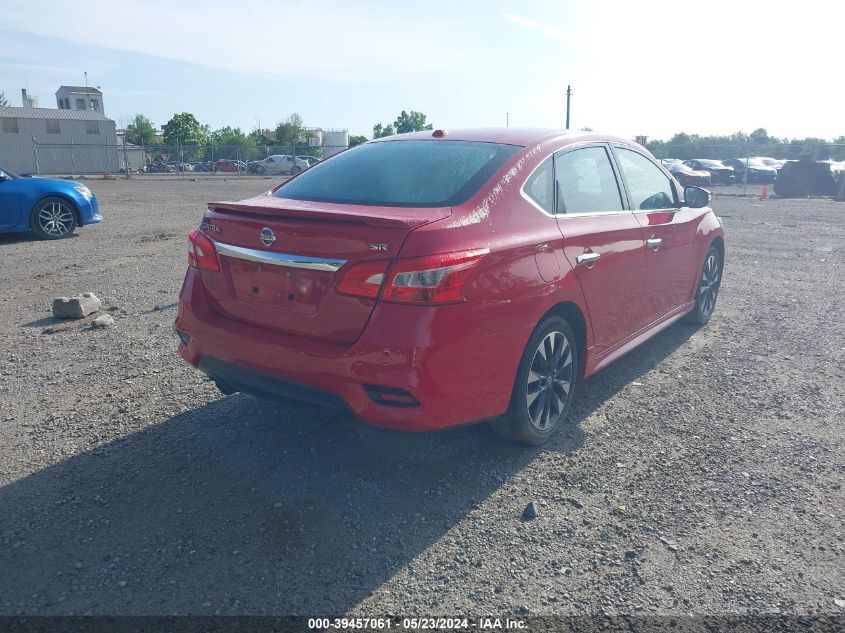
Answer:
(66, 141)
(79, 98)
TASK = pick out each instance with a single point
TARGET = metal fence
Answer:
(185, 160)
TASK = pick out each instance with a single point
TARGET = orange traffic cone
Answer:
(765, 193)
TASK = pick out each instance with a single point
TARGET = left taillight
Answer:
(201, 252)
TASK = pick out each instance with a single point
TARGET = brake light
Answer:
(363, 280)
(201, 252)
(437, 279)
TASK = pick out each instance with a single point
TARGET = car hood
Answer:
(59, 185)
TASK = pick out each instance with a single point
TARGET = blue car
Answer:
(51, 208)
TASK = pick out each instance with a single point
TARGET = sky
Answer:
(636, 68)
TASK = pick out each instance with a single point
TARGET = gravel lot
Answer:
(703, 472)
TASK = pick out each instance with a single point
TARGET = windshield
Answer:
(417, 173)
(715, 164)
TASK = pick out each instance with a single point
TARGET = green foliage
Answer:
(380, 131)
(261, 137)
(232, 143)
(739, 145)
(184, 129)
(291, 131)
(3, 101)
(141, 131)
(413, 122)
(357, 140)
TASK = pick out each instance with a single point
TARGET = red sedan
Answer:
(441, 278)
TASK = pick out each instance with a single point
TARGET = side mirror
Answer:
(696, 197)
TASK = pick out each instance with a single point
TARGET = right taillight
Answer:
(201, 252)
(437, 279)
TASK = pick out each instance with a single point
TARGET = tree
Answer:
(3, 101)
(141, 131)
(413, 122)
(233, 143)
(184, 129)
(380, 131)
(357, 140)
(291, 131)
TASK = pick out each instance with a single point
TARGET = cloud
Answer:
(536, 26)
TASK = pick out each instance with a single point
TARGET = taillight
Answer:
(201, 252)
(363, 280)
(431, 280)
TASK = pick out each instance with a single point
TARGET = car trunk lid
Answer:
(281, 260)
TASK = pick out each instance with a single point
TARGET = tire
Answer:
(707, 290)
(259, 169)
(53, 218)
(542, 395)
(295, 170)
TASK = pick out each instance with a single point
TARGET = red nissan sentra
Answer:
(434, 279)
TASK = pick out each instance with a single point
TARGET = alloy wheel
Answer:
(708, 289)
(549, 381)
(55, 219)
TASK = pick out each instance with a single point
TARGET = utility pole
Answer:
(507, 119)
(568, 95)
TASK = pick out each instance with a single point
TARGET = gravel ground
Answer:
(703, 473)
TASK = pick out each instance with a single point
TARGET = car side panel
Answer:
(10, 205)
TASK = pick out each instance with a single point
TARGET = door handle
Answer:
(654, 243)
(586, 259)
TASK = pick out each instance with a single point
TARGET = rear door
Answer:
(669, 231)
(602, 241)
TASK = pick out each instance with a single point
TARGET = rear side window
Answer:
(540, 186)
(416, 173)
(648, 185)
(585, 182)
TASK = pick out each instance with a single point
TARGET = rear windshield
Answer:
(418, 173)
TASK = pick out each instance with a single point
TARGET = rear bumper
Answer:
(457, 373)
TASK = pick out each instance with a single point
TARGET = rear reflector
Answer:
(391, 396)
(437, 279)
(201, 252)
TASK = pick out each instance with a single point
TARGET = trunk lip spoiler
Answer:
(287, 260)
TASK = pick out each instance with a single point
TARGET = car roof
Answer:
(523, 136)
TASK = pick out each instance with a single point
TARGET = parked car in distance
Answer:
(768, 161)
(227, 165)
(751, 170)
(720, 174)
(435, 279)
(51, 208)
(205, 166)
(311, 160)
(159, 167)
(278, 164)
(686, 175)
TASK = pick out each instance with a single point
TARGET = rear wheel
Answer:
(545, 385)
(708, 287)
(295, 170)
(53, 218)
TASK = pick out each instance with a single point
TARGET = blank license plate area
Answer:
(279, 287)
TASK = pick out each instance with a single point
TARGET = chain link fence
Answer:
(184, 160)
